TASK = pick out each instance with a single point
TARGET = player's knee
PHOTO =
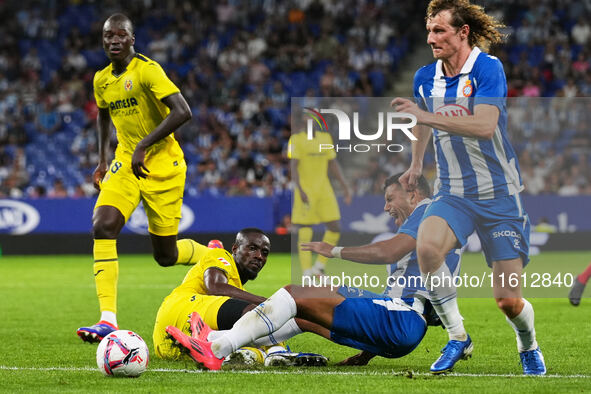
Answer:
(289, 289)
(510, 306)
(165, 260)
(105, 228)
(430, 255)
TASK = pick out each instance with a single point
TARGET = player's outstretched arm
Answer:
(179, 114)
(481, 124)
(322, 248)
(103, 123)
(216, 283)
(384, 252)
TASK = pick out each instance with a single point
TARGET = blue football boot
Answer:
(97, 332)
(532, 362)
(451, 354)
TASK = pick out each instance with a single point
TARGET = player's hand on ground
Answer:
(99, 174)
(322, 248)
(137, 162)
(409, 179)
(358, 359)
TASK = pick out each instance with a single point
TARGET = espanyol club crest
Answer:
(467, 90)
(128, 85)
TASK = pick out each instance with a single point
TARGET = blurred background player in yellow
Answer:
(214, 288)
(134, 93)
(314, 200)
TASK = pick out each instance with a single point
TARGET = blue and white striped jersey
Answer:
(404, 276)
(470, 167)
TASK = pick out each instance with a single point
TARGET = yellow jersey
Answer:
(133, 99)
(218, 258)
(312, 162)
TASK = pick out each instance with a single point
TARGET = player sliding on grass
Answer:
(462, 101)
(390, 325)
(215, 289)
(146, 108)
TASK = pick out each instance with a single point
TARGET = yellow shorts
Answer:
(175, 311)
(322, 207)
(161, 192)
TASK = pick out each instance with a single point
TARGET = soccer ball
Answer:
(122, 353)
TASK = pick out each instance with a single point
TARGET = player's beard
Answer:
(246, 274)
(251, 275)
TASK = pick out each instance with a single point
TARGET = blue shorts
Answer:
(501, 224)
(377, 324)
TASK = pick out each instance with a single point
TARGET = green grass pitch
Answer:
(44, 299)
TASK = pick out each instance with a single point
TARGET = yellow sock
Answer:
(305, 235)
(332, 238)
(189, 251)
(106, 273)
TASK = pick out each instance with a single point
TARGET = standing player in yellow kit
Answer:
(314, 200)
(145, 107)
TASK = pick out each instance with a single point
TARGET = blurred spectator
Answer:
(581, 32)
(284, 227)
(58, 190)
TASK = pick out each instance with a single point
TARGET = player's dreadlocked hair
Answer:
(484, 29)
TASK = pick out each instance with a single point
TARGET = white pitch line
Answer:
(301, 372)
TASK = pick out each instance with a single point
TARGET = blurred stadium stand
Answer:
(238, 63)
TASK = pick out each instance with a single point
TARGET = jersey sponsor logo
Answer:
(453, 110)
(467, 89)
(125, 103)
(506, 233)
(17, 217)
(224, 261)
(128, 85)
(138, 222)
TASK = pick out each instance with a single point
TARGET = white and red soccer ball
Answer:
(122, 353)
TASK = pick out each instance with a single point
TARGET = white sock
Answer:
(261, 321)
(111, 317)
(216, 334)
(285, 332)
(443, 295)
(523, 324)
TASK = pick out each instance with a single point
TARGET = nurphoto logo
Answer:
(388, 122)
